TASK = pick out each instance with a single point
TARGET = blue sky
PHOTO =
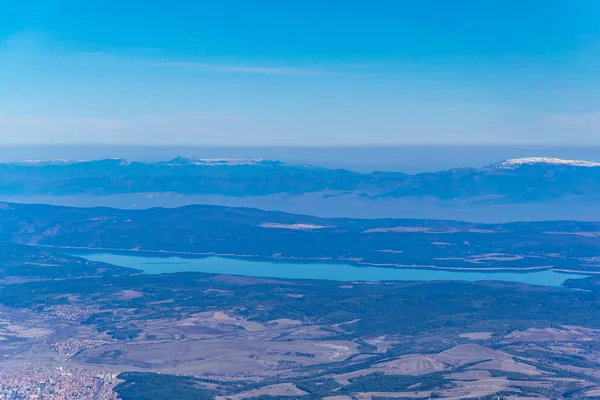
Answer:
(310, 73)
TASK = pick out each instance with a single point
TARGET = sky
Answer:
(300, 73)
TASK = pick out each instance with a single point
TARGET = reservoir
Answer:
(329, 271)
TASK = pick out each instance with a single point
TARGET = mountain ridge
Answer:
(234, 161)
(532, 179)
(516, 162)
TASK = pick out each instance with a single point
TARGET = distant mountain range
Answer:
(512, 181)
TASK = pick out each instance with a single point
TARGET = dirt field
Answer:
(284, 389)
(219, 356)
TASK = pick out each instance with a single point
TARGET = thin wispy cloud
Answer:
(580, 121)
(282, 70)
(91, 53)
(248, 69)
(178, 128)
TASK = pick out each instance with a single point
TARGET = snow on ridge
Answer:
(232, 161)
(39, 162)
(298, 226)
(42, 163)
(187, 160)
(517, 162)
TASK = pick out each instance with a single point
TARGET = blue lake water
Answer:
(339, 272)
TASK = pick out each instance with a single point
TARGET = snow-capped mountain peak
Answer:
(517, 162)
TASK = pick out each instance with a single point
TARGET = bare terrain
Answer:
(234, 354)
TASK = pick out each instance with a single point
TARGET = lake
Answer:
(339, 272)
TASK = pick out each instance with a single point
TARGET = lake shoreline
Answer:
(295, 260)
(158, 264)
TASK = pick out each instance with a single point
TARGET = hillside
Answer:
(258, 234)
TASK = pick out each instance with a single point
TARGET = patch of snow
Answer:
(291, 226)
(189, 160)
(231, 161)
(38, 162)
(517, 162)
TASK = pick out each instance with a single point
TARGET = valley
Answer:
(216, 335)
(235, 337)
(252, 234)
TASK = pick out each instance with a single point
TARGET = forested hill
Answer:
(258, 234)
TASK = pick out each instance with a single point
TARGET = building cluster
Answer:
(69, 312)
(23, 382)
(71, 347)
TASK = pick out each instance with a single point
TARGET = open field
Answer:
(240, 337)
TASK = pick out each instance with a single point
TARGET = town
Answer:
(56, 383)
